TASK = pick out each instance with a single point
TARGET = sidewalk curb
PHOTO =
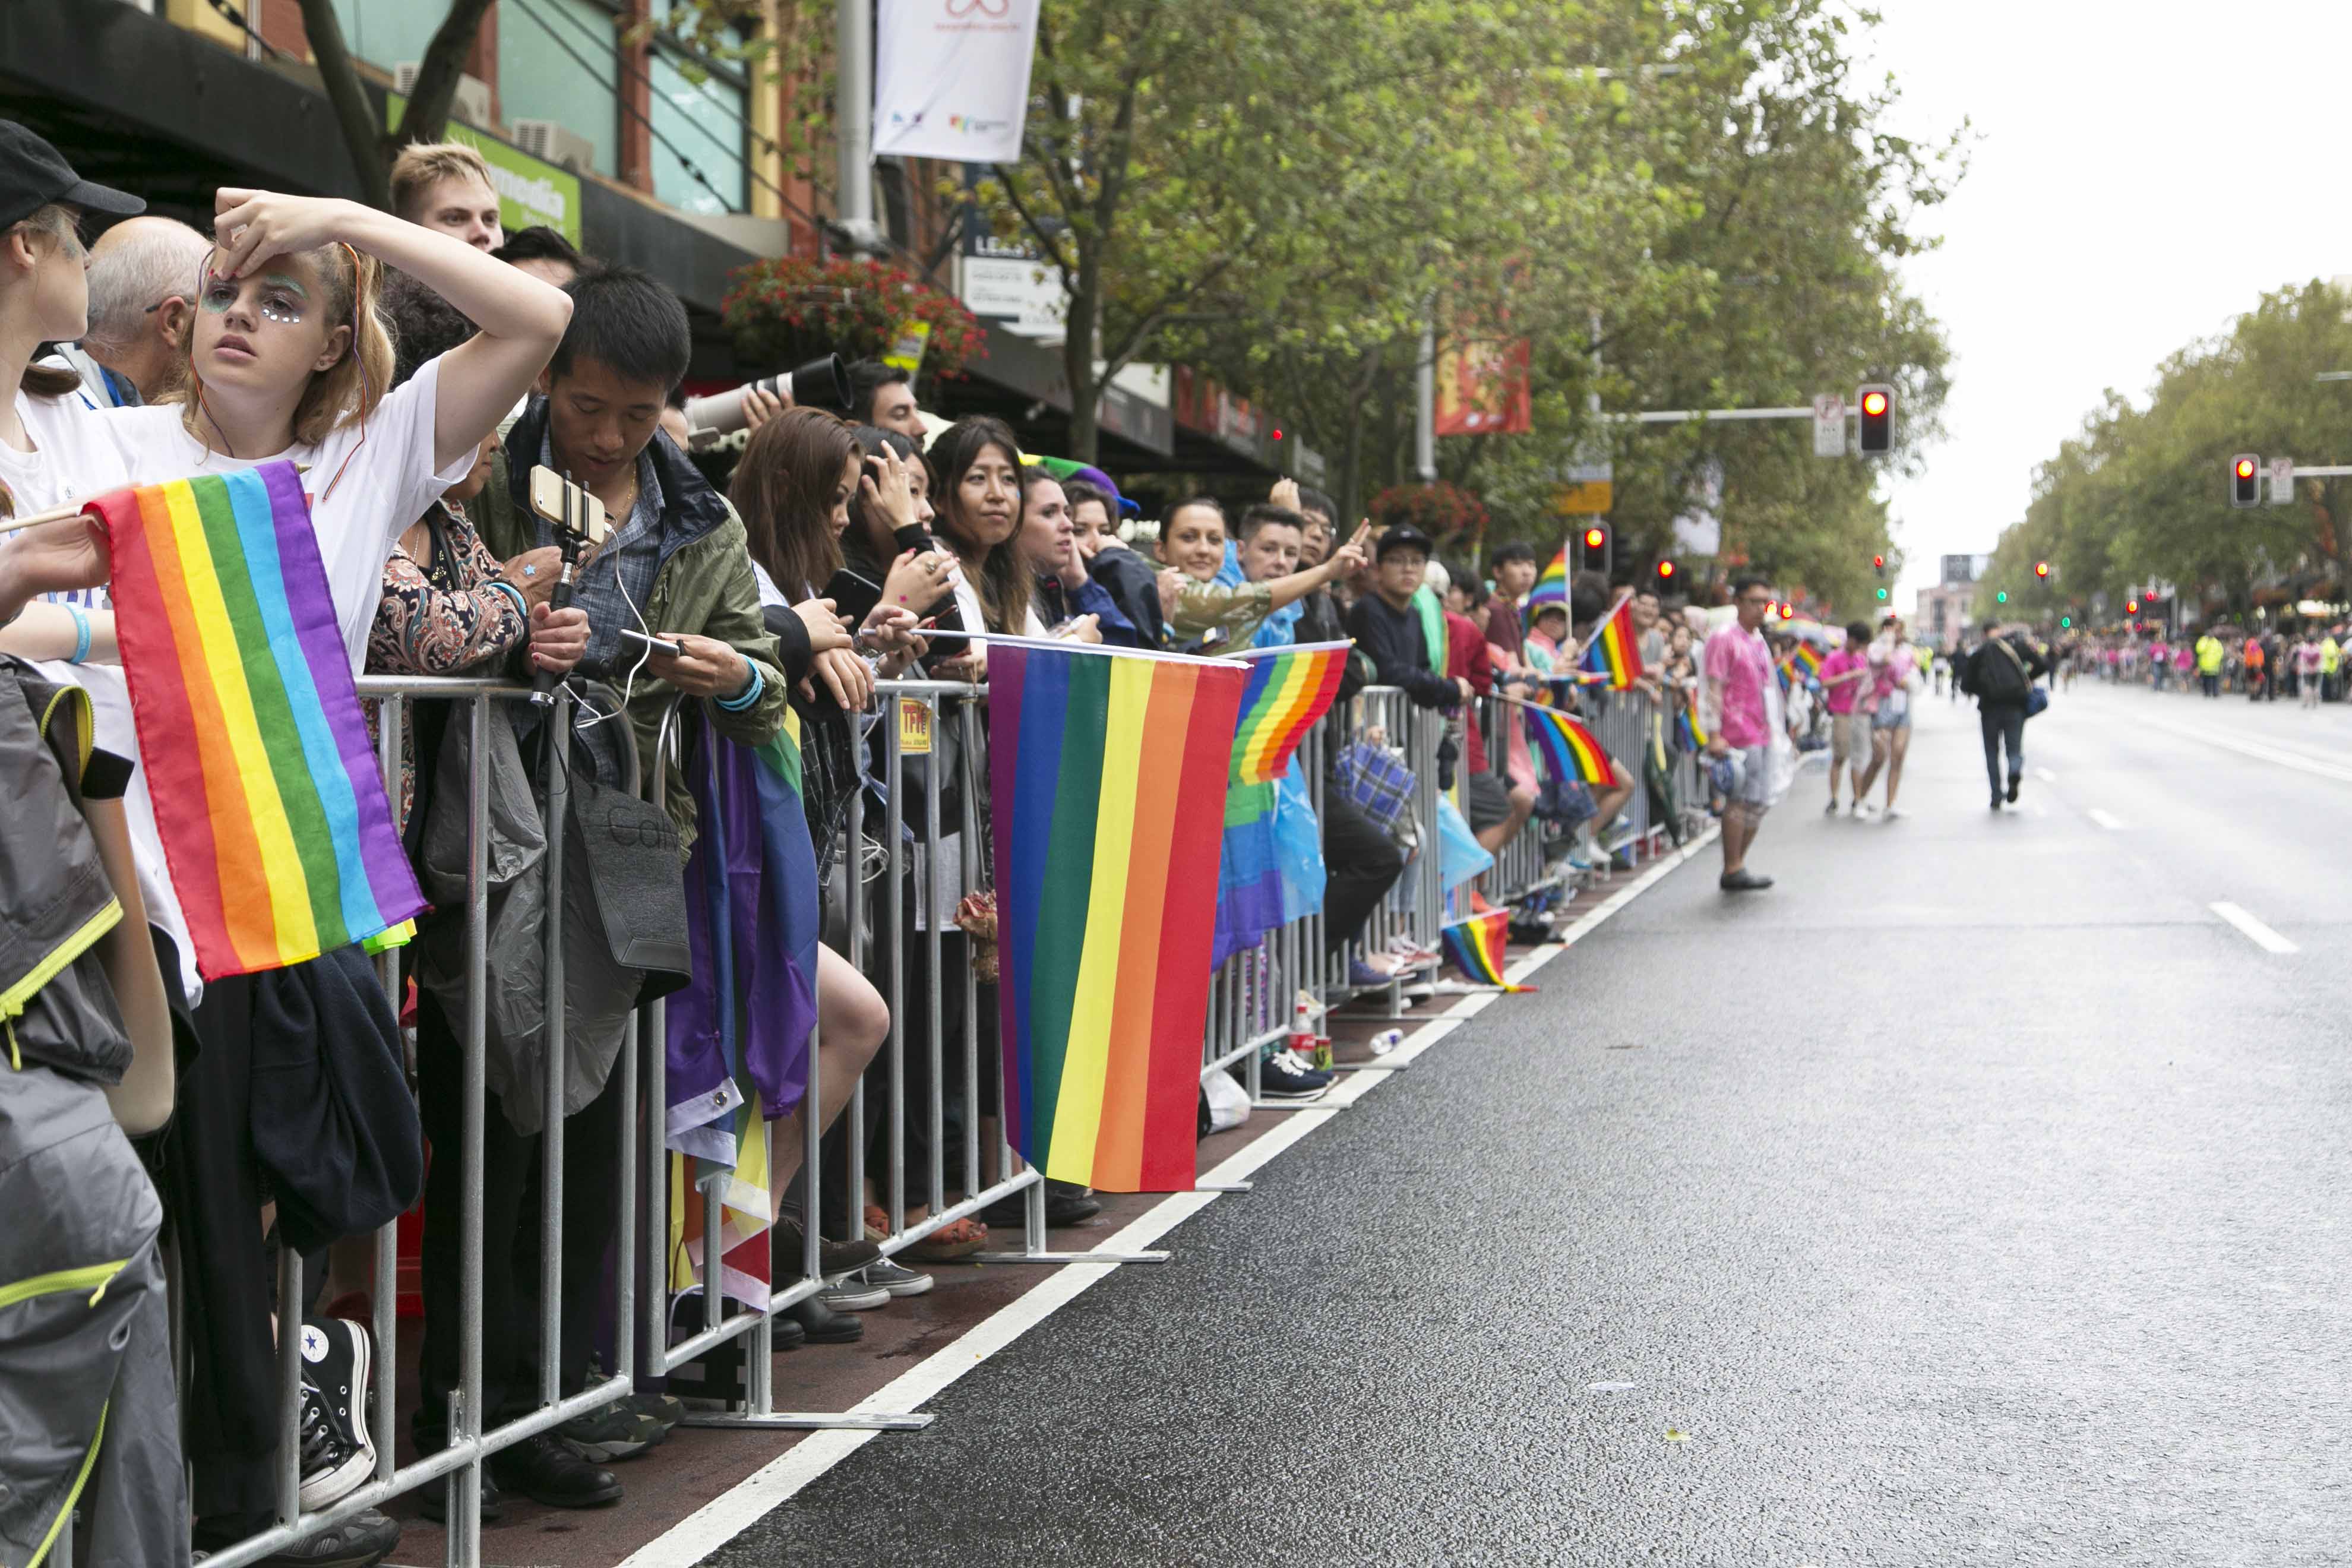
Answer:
(721, 1521)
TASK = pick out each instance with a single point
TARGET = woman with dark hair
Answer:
(976, 494)
(792, 490)
(1063, 594)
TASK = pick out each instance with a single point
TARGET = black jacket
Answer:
(1400, 657)
(1133, 584)
(1973, 667)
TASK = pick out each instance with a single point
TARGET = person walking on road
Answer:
(2306, 669)
(1739, 705)
(2001, 675)
(1844, 676)
(1897, 673)
(2210, 654)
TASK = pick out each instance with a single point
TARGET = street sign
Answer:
(1829, 424)
(1584, 497)
(2281, 480)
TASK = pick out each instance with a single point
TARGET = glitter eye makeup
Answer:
(282, 299)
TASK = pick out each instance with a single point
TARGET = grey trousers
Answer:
(89, 1415)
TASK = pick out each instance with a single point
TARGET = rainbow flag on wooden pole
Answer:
(1108, 772)
(1613, 651)
(273, 817)
(1551, 586)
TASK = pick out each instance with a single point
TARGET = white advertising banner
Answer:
(951, 78)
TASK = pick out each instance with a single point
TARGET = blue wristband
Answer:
(81, 634)
(748, 695)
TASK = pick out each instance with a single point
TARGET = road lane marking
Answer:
(743, 1505)
(2106, 820)
(2259, 752)
(2260, 936)
(2045, 776)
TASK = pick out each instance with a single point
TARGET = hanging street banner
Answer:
(1482, 389)
(951, 78)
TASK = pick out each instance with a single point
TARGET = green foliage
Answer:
(2143, 493)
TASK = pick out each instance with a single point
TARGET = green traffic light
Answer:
(1882, 592)
(2001, 597)
(2065, 620)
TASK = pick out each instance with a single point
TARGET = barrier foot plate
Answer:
(1374, 1066)
(1222, 1187)
(1066, 1257)
(808, 1421)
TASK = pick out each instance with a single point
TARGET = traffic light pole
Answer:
(1712, 416)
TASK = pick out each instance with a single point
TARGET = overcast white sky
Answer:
(2092, 235)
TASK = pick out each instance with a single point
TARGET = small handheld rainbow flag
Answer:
(1477, 947)
(1806, 663)
(1288, 689)
(1108, 773)
(1686, 715)
(272, 813)
(1570, 750)
(1551, 587)
(1613, 651)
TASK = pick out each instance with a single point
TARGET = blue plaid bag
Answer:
(1376, 779)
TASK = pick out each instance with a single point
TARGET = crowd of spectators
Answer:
(421, 364)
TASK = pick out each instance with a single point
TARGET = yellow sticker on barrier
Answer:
(914, 729)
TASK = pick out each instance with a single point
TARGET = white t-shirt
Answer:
(367, 481)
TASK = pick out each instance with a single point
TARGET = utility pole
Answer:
(1425, 395)
(854, 125)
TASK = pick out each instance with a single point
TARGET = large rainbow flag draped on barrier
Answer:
(1613, 651)
(739, 1033)
(273, 817)
(1568, 749)
(1476, 945)
(1108, 774)
(1270, 866)
(1552, 584)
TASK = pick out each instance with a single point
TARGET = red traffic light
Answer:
(1788, 611)
(2245, 468)
(2131, 607)
(1665, 569)
(2041, 569)
(1594, 538)
(1873, 404)
(1878, 562)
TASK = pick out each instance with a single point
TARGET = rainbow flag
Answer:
(1568, 749)
(1288, 689)
(1108, 774)
(1612, 652)
(1686, 715)
(1805, 662)
(1551, 586)
(272, 813)
(1477, 947)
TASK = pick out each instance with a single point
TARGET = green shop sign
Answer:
(529, 192)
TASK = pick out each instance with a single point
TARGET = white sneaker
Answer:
(1893, 812)
(1864, 810)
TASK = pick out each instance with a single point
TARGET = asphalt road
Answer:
(1973, 1197)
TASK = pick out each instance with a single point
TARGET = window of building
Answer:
(559, 59)
(701, 122)
(384, 33)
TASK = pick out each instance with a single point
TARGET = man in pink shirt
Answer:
(1736, 706)
(1844, 676)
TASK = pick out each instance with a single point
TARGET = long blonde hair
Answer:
(351, 386)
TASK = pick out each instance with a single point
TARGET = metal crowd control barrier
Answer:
(469, 1440)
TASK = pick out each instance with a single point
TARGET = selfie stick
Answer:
(567, 542)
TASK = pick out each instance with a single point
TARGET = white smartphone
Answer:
(659, 645)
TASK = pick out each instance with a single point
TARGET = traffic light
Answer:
(1882, 596)
(1665, 573)
(1877, 405)
(1788, 611)
(1595, 540)
(2245, 479)
(2001, 597)
(2042, 570)
(2064, 622)
(2131, 607)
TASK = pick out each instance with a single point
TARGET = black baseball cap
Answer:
(1403, 536)
(32, 176)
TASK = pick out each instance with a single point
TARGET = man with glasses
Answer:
(143, 287)
(1739, 709)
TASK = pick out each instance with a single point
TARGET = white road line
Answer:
(2106, 820)
(2045, 776)
(741, 1506)
(2285, 759)
(2260, 936)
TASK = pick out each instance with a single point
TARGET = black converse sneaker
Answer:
(337, 1456)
